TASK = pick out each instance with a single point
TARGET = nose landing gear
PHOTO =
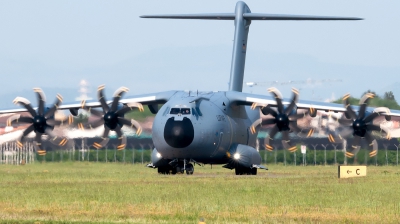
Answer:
(178, 167)
(183, 166)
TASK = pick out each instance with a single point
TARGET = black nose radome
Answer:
(179, 134)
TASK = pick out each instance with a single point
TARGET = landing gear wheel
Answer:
(166, 170)
(179, 169)
(245, 171)
(189, 169)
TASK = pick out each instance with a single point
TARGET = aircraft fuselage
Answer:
(202, 127)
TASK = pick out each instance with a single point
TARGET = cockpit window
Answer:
(184, 111)
(175, 110)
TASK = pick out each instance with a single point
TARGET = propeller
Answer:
(284, 120)
(360, 125)
(112, 117)
(42, 121)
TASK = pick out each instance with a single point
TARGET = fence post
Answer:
(386, 155)
(123, 157)
(324, 152)
(265, 156)
(335, 146)
(315, 154)
(284, 156)
(115, 153)
(397, 154)
(106, 155)
(275, 152)
(133, 154)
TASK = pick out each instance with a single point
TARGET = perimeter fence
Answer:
(315, 156)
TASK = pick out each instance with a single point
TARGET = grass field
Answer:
(110, 193)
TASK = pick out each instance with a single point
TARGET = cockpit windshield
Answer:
(175, 110)
(180, 111)
(185, 111)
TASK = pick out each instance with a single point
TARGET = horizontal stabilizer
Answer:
(262, 16)
(248, 16)
(212, 16)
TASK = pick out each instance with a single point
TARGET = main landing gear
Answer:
(245, 171)
(177, 167)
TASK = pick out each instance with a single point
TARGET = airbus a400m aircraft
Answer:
(209, 127)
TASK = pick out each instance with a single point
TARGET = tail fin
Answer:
(242, 19)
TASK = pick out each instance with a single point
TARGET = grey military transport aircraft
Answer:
(208, 127)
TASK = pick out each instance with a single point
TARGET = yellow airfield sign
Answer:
(352, 171)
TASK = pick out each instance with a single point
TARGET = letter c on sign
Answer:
(358, 171)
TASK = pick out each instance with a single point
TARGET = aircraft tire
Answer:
(189, 169)
(166, 170)
(245, 171)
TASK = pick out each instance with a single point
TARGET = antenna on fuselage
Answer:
(242, 18)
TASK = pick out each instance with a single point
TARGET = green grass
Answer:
(84, 192)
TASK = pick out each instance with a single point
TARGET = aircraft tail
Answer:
(242, 19)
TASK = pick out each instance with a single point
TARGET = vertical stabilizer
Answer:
(239, 47)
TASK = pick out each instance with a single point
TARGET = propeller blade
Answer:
(53, 109)
(25, 103)
(55, 140)
(101, 98)
(121, 138)
(268, 121)
(285, 135)
(92, 125)
(24, 134)
(124, 110)
(15, 119)
(105, 139)
(295, 117)
(278, 98)
(349, 109)
(346, 122)
(370, 140)
(117, 96)
(41, 100)
(293, 126)
(304, 133)
(292, 104)
(52, 122)
(363, 104)
(286, 142)
(254, 125)
(38, 144)
(131, 123)
(270, 137)
(268, 110)
(346, 132)
(95, 124)
(374, 151)
(94, 112)
(356, 142)
(371, 117)
(372, 127)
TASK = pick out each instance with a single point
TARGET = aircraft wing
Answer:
(249, 99)
(145, 99)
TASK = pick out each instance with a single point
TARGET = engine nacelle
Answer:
(244, 155)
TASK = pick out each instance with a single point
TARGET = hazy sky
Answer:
(55, 44)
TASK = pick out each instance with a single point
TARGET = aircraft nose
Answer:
(178, 134)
